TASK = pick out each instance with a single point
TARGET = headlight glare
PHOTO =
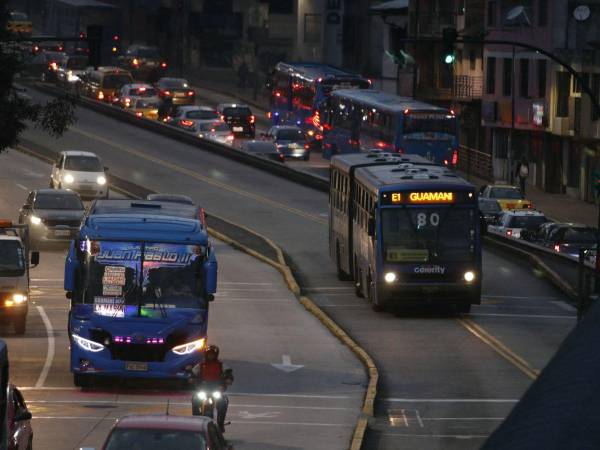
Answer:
(469, 276)
(216, 395)
(19, 298)
(69, 178)
(101, 180)
(201, 395)
(190, 347)
(390, 277)
(35, 220)
(87, 345)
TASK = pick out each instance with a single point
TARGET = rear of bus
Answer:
(429, 133)
(429, 246)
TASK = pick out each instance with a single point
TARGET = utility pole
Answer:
(512, 119)
(416, 36)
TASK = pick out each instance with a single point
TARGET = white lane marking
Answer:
(565, 306)
(520, 297)
(25, 188)
(329, 288)
(48, 388)
(245, 284)
(419, 419)
(439, 436)
(47, 279)
(50, 354)
(287, 365)
(451, 400)
(405, 419)
(265, 415)
(463, 418)
(524, 316)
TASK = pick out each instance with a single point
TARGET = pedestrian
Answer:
(243, 74)
(522, 173)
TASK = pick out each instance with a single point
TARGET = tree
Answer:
(18, 111)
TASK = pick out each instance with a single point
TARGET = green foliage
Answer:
(17, 110)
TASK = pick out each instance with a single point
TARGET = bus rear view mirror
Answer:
(371, 226)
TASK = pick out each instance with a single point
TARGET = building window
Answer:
(473, 60)
(563, 84)
(596, 91)
(279, 6)
(312, 28)
(490, 80)
(524, 79)
(577, 85)
(542, 12)
(541, 77)
(491, 14)
(507, 73)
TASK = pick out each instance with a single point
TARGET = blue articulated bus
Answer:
(140, 276)
(297, 90)
(405, 230)
(359, 120)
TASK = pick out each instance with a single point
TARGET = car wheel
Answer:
(81, 380)
(20, 325)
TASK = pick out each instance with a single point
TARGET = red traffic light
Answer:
(116, 37)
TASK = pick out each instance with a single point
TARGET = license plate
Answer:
(136, 366)
(238, 128)
(62, 233)
(179, 94)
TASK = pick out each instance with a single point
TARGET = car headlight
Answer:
(216, 395)
(101, 180)
(390, 277)
(469, 276)
(35, 220)
(201, 395)
(19, 298)
(190, 347)
(69, 178)
(71, 77)
(87, 345)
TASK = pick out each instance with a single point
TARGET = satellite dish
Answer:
(515, 12)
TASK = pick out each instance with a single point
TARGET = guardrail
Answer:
(307, 179)
(475, 162)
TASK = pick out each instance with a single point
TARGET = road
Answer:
(446, 381)
(254, 319)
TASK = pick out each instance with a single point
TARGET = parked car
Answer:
(81, 172)
(515, 222)
(509, 197)
(144, 62)
(165, 432)
(567, 238)
(263, 149)
(53, 215)
(214, 131)
(290, 140)
(178, 89)
(20, 432)
(239, 118)
(186, 117)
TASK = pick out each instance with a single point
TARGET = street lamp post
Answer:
(512, 119)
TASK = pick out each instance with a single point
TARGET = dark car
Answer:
(264, 149)
(53, 215)
(239, 118)
(489, 212)
(144, 62)
(165, 432)
(568, 238)
(289, 140)
(20, 432)
(70, 70)
(178, 89)
(45, 65)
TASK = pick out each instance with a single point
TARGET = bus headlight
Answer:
(201, 395)
(390, 277)
(190, 347)
(216, 395)
(101, 180)
(469, 276)
(87, 345)
(35, 220)
(69, 178)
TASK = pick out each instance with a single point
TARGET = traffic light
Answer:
(116, 47)
(94, 36)
(449, 39)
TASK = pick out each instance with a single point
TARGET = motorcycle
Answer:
(206, 399)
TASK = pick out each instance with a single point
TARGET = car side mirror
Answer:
(35, 258)
(371, 226)
(22, 415)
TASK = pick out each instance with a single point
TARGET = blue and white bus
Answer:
(405, 230)
(356, 120)
(297, 90)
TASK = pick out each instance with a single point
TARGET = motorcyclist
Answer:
(211, 373)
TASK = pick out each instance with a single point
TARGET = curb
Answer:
(285, 270)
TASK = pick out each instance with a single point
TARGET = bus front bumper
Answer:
(419, 293)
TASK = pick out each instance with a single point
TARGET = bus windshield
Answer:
(428, 235)
(427, 124)
(330, 85)
(12, 258)
(122, 276)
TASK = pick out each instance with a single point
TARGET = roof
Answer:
(79, 153)
(524, 212)
(345, 162)
(164, 422)
(9, 237)
(286, 127)
(195, 108)
(51, 191)
(138, 86)
(87, 4)
(313, 71)
(155, 208)
(391, 6)
(233, 105)
(504, 186)
(385, 101)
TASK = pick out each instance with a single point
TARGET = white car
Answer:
(214, 131)
(512, 222)
(81, 172)
(129, 93)
(188, 116)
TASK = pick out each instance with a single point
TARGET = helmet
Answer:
(212, 349)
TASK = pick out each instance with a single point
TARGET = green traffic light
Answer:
(449, 58)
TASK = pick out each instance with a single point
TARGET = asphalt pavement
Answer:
(292, 378)
(446, 380)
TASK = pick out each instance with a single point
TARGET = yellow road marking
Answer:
(197, 176)
(499, 348)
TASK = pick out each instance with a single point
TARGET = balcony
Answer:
(467, 87)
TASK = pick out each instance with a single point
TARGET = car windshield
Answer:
(155, 277)
(489, 206)
(175, 83)
(429, 235)
(143, 92)
(237, 111)
(12, 258)
(508, 193)
(155, 439)
(290, 135)
(77, 63)
(116, 81)
(580, 235)
(147, 52)
(83, 164)
(58, 201)
(146, 104)
(527, 222)
(200, 114)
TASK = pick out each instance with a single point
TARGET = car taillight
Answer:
(100, 95)
(306, 146)
(455, 157)
(509, 232)
(381, 144)
(187, 123)
(135, 62)
(230, 137)
(223, 118)
(252, 119)
(191, 93)
(163, 65)
(165, 93)
(530, 206)
(138, 113)
(557, 248)
(60, 49)
(269, 115)
(53, 66)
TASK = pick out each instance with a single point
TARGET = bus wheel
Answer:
(342, 276)
(376, 304)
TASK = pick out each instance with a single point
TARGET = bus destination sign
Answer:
(426, 197)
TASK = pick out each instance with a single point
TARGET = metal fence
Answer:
(475, 162)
